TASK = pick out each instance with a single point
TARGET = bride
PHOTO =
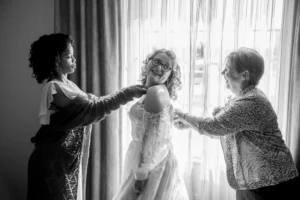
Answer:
(150, 169)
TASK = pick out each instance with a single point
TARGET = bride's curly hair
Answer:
(45, 52)
(173, 83)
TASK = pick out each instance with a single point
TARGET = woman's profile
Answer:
(58, 164)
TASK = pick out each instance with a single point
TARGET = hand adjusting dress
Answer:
(150, 154)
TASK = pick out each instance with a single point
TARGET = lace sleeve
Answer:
(156, 141)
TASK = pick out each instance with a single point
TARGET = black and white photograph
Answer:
(150, 99)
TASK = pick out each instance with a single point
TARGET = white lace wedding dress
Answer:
(151, 151)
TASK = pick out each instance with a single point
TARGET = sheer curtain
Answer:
(201, 33)
(289, 79)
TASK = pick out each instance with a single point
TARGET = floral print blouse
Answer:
(255, 153)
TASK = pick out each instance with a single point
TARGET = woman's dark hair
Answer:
(246, 59)
(45, 52)
(173, 83)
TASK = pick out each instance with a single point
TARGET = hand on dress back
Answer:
(179, 121)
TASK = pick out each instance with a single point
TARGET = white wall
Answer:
(21, 23)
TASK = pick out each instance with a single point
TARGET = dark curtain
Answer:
(290, 54)
(291, 59)
(294, 96)
(96, 29)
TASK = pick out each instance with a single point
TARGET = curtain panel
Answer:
(96, 29)
(290, 77)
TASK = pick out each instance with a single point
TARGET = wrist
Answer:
(185, 115)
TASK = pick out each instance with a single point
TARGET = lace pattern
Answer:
(254, 150)
(150, 156)
(157, 139)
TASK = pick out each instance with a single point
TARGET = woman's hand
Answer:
(138, 90)
(180, 124)
(179, 121)
(179, 113)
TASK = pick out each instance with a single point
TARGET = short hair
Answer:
(246, 59)
(173, 83)
(44, 52)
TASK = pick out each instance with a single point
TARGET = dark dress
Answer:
(54, 164)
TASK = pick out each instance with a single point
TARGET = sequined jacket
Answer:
(254, 151)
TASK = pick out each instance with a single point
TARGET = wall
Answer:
(21, 23)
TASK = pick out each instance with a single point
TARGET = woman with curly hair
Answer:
(150, 168)
(57, 166)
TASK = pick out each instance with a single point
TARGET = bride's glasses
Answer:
(156, 62)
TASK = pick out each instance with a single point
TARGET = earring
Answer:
(57, 69)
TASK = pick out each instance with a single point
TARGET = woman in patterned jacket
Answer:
(58, 164)
(259, 164)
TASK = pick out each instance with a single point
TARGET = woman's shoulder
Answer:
(255, 98)
(68, 89)
(157, 98)
(256, 94)
(70, 86)
(158, 93)
(157, 90)
(49, 87)
(53, 86)
(54, 83)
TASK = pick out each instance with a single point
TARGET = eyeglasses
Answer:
(157, 62)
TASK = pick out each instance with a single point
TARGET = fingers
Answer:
(138, 90)
(216, 110)
(142, 86)
(177, 117)
(179, 125)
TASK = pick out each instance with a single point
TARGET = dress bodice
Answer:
(136, 118)
(140, 118)
(150, 157)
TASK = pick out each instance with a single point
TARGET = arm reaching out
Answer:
(85, 110)
(241, 115)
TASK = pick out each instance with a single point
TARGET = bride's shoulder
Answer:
(157, 98)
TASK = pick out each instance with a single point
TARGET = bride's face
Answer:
(158, 69)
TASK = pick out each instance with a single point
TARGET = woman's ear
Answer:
(246, 75)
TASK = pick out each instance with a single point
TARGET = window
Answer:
(202, 33)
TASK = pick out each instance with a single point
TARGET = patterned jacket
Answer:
(64, 143)
(255, 153)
